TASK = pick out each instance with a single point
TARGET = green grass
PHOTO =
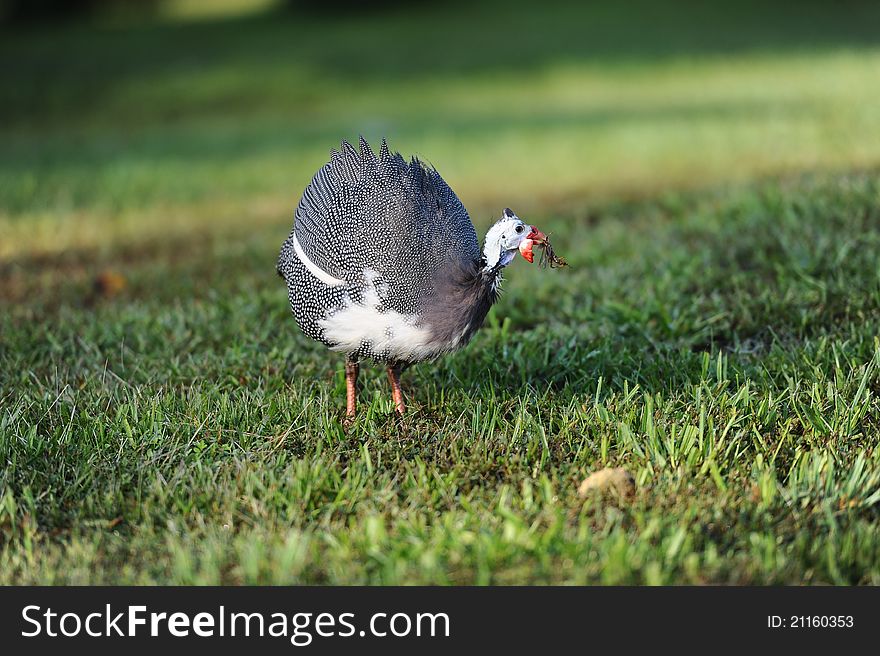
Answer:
(717, 333)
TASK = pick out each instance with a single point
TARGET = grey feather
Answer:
(398, 220)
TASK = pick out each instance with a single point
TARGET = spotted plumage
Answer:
(383, 260)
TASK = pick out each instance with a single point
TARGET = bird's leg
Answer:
(351, 377)
(396, 392)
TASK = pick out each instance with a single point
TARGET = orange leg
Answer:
(351, 377)
(396, 392)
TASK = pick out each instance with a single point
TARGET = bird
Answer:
(382, 263)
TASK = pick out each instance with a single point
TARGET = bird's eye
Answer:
(519, 228)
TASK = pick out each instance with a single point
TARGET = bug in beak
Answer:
(535, 236)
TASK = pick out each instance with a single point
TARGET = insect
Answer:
(549, 257)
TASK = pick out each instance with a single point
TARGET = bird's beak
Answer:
(535, 236)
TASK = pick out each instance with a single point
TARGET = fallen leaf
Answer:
(616, 480)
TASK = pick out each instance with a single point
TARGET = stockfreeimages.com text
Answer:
(300, 628)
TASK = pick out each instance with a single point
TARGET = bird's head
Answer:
(509, 235)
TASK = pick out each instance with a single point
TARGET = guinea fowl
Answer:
(383, 263)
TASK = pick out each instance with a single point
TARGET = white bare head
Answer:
(509, 235)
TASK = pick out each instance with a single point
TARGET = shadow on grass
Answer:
(278, 139)
(401, 43)
(192, 265)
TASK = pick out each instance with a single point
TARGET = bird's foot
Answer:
(352, 369)
(396, 391)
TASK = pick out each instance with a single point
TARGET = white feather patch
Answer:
(387, 332)
(313, 268)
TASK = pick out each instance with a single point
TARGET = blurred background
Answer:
(708, 169)
(157, 132)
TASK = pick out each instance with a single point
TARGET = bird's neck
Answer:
(494, 257)
(461, 300)
(491, 277)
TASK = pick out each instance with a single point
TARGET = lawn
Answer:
(710, 175)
